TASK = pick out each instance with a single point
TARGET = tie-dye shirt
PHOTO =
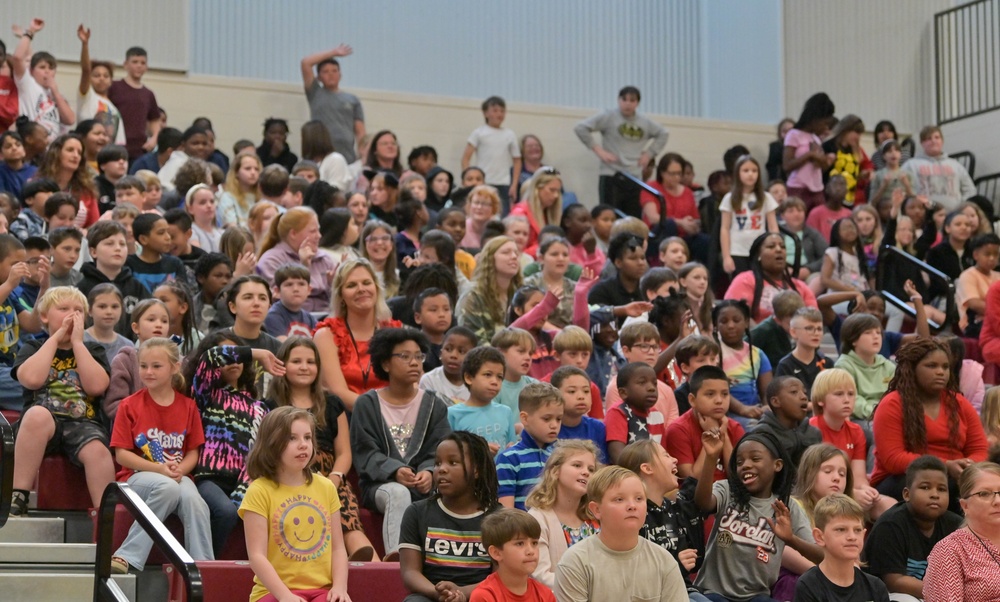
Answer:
(451, 544)
(231, 419)
(743, 367)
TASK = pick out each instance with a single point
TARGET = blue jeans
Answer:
(11, 392)
(222, 513)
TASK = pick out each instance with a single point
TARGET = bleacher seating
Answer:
(236, 547)
(225, 581)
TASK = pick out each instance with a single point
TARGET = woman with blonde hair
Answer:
(239, 192)
(494, 282)
(542, 204)
(259, 220)
(482, 205)
(559, 503)
(294, 238)
(357, 311)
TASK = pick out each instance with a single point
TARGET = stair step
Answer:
(47, 553)
(33, 530)
(57, 586)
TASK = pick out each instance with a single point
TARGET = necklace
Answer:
(985, 547)
(366, 370)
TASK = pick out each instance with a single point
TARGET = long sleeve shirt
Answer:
(625, 138)
(320, 269)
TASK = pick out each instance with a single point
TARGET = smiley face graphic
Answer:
(303, 532)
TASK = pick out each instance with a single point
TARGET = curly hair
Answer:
(51, 165)
(911, 393)
(543, 495)
(484, 280)
(667, 313)
(483, 480)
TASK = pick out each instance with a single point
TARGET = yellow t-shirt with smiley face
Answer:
(299, 526)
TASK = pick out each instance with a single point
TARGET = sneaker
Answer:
(119, 566)
(18, 504)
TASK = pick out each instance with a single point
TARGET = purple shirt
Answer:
(320, 269)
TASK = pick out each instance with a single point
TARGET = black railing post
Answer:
(120, 493)
(7, 466)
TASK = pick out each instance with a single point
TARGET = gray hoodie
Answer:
(941, 179)
(624, 138)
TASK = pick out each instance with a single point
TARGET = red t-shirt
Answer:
(677, 206)
(822, 219)
(157, 433)
(850, 438)
(616, 422)
(493, 590)
(596, 403)
(684, 440)
(8, 102)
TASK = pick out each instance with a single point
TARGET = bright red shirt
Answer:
(684, 440)
(493, 590)
(850, 438)
(355, 362)
(157, 433)
(891, 455)
(677, 206)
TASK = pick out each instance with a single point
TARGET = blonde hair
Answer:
(543, 217)
(296, 218)
(985, 227)
(877, 232)
(990, 411)
(606, 478)
(338, 309)
(826, 382)
(173, 355)
(967, 482)
(836, 505)
(232, 184)
(489, 193)
(812, 459)
(900, 220)
(632, 225)
(484, 280)
(149, 178)
(572, 338)
(58, 294)
(543, 495)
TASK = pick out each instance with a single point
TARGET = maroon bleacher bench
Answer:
(232, 581)
(236, 546)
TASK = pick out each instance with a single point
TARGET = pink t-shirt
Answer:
(822, 219)
(808, 175)
(401, 420)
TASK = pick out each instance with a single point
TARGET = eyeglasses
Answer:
(986, 496)
(676, 174)
(812, 329)
(481, 203)
(377, 239)
(410, 357)
(647, 347)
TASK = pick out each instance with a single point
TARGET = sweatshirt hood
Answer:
(90, 270)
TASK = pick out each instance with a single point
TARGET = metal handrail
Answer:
(951, 311)
(120, 493)
(7, 466)
(965, 68)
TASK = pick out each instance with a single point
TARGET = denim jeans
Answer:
(165, 496)
(222, 513)
(11, 392)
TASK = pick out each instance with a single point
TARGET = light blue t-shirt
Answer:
(493, 422)
(509, 393)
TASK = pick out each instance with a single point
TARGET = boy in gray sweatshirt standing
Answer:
(629, 141)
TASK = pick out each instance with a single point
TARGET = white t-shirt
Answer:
(436, 381)
(747, 224)
(169, 170)
(335, 172)
(496, 149)
(37, 104)
(99, 108)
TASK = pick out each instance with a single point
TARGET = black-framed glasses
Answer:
(986, 496)
(410, 357)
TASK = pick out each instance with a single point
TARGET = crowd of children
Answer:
(544, 402)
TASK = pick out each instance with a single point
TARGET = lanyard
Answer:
(365, 370)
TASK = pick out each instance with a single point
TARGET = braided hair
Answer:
(785, 282)
(485, 487)
(666, 314)
(859, 250)
(784, 479)
(905, 382)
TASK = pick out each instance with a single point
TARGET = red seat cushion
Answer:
(225, 581)
(236, 548)
(61, 485)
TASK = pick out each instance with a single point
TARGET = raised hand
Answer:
(271, 364)
(637, 308)
(781, 524)
(711, 441)
(343, 50)
(83, 34)
(688, 325)
(911, 290)
(18, 272)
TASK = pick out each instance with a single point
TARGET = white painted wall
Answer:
(238, 108)
(976, 134)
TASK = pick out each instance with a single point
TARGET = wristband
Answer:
(339, 474)
(29, 35)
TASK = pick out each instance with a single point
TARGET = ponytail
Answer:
(271, 238)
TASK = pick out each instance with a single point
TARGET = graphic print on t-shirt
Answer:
(455, 549)
(300, 528)
(734, 529)
(161, 447)
(63, 393)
